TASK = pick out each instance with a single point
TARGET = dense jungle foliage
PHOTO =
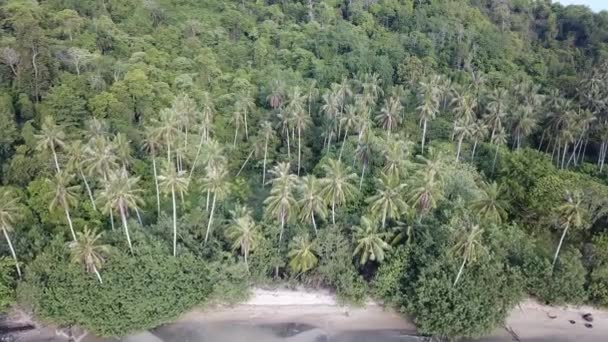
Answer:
(445, 157)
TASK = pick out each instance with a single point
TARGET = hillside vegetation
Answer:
(445, 157)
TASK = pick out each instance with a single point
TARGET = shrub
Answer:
(138, 292)
(475, 306)
(387, 284)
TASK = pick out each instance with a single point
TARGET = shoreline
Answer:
(529, 321)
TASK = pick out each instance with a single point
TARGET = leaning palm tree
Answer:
(151, 144)
(215, 182)
(77, 157)
(311, 202)
(242, 232)
(281, 202)
(468, 246)
(64, 196)
(88, 251)
(302, 255)
(388, 201)
(120, 193)
(490, 205)
(463, 128)
(9, 213)
(171, 181)
(479, 131)
(337, 187)
(370, 243)
(570, 215)
(51, 137)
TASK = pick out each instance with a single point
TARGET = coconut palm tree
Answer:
(122, 146)
(428, 107)
(64, 196)
(337, 187)
(331, 109)
(500, 138)
(301, 121)
(281, 202)
(479, 132)
(88, 251)
(237, 120)
(497, 105)
(311, 202)
(51, 137)
(215, 182)
(463, 128)
(388, 201)
(572, 214)
(302, 254)
(9, 213)
(311, 95)
(76, 152)
(390, 114)
(151, 144)
(286, 124)
(101, 161)
(468, 246)
(276, 98)
(370, 243)
(371, 88)
(204, 126)
(120, 193)
(490, 205)
(268, 132)
(242, 232)
(428, 186)
(168, 129)
(395, 152)
(348, 122)
(245, 105)
(524, 123)
(363, 155)
(170, 181)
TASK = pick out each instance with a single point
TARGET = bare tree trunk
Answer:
(35, 66)
(314, 223)
(210, 219)
(198, 151)
(89, 192)
(564, 154)
(343, 143)
(10, 246)
(67, 215)
(459, 146)
(288, 147)
(474, 148)
(495, 157)
(362, 173)
(464, 261)
(174, 221)
(299, 148)
(124, 223)
(559, 246)
(246, 128)
(264, 164)
(97, 274)
(282, 226)
(423, 135)
(245, 163)
(55, 157)
(236, 131)
(333, 211)
(156, 184)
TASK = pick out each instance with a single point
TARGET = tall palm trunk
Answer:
(333, 211)
(299, 148)
(245, 163)
(288, 147)
(123, 216)
(459, 146)
(474, 148)
(329, 140)
(89, 192)
(559, 246)
(460, 271)
(314, 223)
(423, 135)
(97, 274)
(384, 212)
(210, 219)
(495, 157)
(67, 215)
(282, 225)
(10, 246)
(264, 164)
(362, 173)
(236, 132)
(156, 184)
(198, 152)
(343, 143)
(246, 128)
(55, 157)
(564, 154)
(174, 221)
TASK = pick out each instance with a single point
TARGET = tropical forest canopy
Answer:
(445, 157)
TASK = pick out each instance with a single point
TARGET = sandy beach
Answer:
(530, 321)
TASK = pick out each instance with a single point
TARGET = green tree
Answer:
(51, 137)
(64, 196)
(170, 181)
(490, 205)
(302, 254)
(388, 201)
(120, 193)
(337, 187)
(76, 159)
(9, 213)
(243, 233)
(281, 203)
(311, 202)
(370, 243)
(88, 251)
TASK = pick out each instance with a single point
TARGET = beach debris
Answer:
(588, 317)
(551, 315)
(571, 321)
(589, 325)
